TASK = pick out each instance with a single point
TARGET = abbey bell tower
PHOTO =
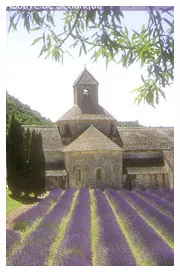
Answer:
(86, 111)
(85, 89)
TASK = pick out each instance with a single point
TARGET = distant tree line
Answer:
(129, 124)
(23, 113)
(25, 161)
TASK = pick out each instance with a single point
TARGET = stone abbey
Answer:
(86, 148)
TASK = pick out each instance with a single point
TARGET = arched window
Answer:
(86, 94)
(79, 175)
(98, 174)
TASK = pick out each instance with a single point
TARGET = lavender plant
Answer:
(147, 247)
(159, 204)
(167, 191)
(162, 224)
(11, 238)
(35, 249)
(111, 236)
(75, 248)
(27, 218)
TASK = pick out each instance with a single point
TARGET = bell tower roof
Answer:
(85, 78)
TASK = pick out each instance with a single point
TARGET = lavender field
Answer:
(90, 227)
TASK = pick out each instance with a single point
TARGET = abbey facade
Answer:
(86, 148)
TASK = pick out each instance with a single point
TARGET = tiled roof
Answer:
(85, 78)
(146, 170)
(169, 157)
(51, 173)
(132, 138)
(92, 140)
(157, 138)
(76, 113)
(51, 140)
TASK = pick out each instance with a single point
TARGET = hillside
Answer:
(26, 116)
(23, 113)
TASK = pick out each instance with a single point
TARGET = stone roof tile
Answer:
(51, 140)
(146, 170)
(85, 78)
(157, 138)
(60, 173)
(92, 140)
(75, 113)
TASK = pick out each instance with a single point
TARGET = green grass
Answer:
(11, 204)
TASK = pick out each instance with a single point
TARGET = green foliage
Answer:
(25, 161)
(23, 113)
(129, 124)
(37, 164)
(102, 32)
(15, 154)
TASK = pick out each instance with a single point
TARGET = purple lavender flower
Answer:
(54, 194)
(162, 195)
(160, 222)
(27, 218)
(35, 249)
(169, 200)
(166, 191)
(111, 236)
(146, 242)
(75, 248)
(12, 237)
(164, 207)
(156, 193)
(75, 259)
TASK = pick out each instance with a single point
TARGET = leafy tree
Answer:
(23, 113)
(129, 124)
(102, 32)
(15, 155)
(25, 161)
(37, 162)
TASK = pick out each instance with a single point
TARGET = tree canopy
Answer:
(23, 113)
(25, 160)
(101, 33)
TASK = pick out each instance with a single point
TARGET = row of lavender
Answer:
(131, 230)
(165, 195)
(148, 246)
(35, 249)
(26, 219)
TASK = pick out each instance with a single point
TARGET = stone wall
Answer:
(88, 163)
(53, 182)
(170, 175)
(79, 93)
(147, 181)
(72, 129)
(103, 184)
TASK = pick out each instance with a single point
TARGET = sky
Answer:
(46, 86)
